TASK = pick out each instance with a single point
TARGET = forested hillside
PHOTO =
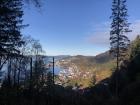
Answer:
(87, 68)
(27, 76)
(102, 93)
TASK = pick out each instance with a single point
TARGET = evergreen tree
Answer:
(10, 28)
(119, 28)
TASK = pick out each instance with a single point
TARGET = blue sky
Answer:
(75, 27)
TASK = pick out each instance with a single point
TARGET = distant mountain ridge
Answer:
(100, 58)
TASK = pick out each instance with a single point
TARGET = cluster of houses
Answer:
(71, 71)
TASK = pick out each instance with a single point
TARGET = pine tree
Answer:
(10, 27)
(119, 28)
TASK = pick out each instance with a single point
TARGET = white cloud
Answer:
(101, 34)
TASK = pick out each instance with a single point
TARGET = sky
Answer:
(76, 27)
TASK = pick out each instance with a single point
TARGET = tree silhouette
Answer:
(10, 25)
(119, 28)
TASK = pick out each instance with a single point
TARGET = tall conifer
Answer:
(10, 28)
(119, 28)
